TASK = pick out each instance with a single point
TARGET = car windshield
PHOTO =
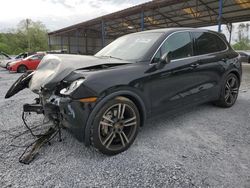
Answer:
(31, 56)
(130, 47)
(19, 56)
(4, 56)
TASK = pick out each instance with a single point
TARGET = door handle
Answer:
(194, 65)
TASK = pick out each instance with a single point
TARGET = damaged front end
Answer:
(54, 84)
(50, 110)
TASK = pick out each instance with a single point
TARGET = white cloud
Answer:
(58, 13)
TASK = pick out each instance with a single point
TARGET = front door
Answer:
(180, 82)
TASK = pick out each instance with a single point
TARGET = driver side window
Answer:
(179, 45)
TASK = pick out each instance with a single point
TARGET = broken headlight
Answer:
(72, 87)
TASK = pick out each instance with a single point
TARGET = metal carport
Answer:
(90, 36)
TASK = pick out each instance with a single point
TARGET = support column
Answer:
(86, 42)
(61, 43)
(77, 42)
(49, 43)
(103, 33)
(142, 20)
(230, 29)
(220, 15)
(69, 44)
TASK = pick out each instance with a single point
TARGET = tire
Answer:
(229, 91)
(22, 69)
(115, 126)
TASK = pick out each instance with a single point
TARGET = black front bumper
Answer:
(71, 114)
(74, 116)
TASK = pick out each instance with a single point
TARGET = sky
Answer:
(56, 14)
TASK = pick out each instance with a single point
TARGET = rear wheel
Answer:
(115, 126)
(229, 92)
(22, 69)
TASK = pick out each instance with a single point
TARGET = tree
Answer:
(28, 36)
(33, 35)
(243, 41)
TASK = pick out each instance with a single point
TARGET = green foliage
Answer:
(242, 45)
(29, 36)
(242, 41)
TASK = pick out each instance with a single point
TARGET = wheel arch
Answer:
(20, 66)
(122, 93)
(236, 73)
(140, 106)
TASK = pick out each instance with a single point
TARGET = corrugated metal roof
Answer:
(163, 14)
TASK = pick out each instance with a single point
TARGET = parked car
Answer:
(20, 56)
(244, 56)
(105, 98)
(28, 63)
(4, 58)
(24, 55)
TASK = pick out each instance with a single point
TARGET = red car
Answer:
(29, 63)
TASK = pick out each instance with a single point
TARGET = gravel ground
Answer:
(202, 147)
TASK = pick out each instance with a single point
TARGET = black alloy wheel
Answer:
(230, 91)
(115, 126)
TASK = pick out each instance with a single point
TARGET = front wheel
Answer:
(22, 69)
(229, 92)
(115, 126)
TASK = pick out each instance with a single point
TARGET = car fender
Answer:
(232, 70)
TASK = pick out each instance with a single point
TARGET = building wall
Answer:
(87, 44)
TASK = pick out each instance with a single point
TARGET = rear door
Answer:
(211, 52)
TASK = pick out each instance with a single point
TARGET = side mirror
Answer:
(165, 59)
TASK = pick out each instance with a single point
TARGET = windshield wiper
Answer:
(109, 56)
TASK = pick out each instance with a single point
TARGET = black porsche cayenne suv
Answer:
(104, 99)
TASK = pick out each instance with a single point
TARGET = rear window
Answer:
(208, 43)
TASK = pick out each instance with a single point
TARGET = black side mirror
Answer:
(165, 59)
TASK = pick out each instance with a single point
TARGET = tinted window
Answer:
(179, 45)
(208, 43)
(157, 57)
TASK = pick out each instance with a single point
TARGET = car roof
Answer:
(37, 54)
(173, 29)
(176, 29)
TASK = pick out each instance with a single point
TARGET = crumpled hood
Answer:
(54, 68)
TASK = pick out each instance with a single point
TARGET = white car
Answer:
(4, 59)
(20, 56)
